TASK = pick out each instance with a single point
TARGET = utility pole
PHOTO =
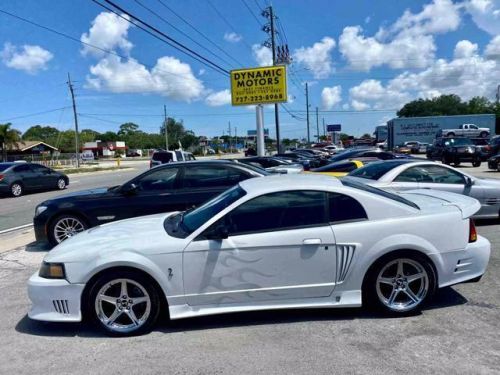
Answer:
(276, 108)
(236, 138)
(324, 128)
(498, 94)
(307, 114)
(229, 122)
(260, 130)
(317, 123)
(165, 125)
(77, 148)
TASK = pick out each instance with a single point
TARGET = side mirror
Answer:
(128, 189)
(469, 181)
(220, 232)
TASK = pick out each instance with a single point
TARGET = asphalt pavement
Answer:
(15, 212)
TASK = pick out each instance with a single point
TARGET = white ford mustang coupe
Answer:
(268, 243)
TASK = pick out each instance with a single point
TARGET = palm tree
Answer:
(8, 138)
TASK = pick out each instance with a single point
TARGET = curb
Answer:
(16, 228)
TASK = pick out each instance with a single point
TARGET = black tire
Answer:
(456, 163)
(91, 307)
(16, 189)
(371, 298)
(476, 163)
(53, 240)
(445, 160)
(61, 183)
(451, 134)
(483, 134)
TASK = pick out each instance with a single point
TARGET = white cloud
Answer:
(359, 106)
(219, 98)
(486, 14)
(468, 74)
(262, 55)
(169, 77)
(232, 37)
(317, 58)
(408, 43)
(109, 32)
(492, 50)
(201, 72)
(331, 96)
(28, 58)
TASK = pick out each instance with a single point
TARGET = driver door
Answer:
(280, 246)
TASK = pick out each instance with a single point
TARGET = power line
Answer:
(110, 52)
(252, 13)
(35, 114)
(199, 33)
(168, 40)
(182, 32)
(226, 22)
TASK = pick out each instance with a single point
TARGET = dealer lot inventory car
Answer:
(400, 175)
(17, 178)
(454, 150)
(286, 241)
(169, 187)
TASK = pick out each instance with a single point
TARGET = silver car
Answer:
(400, 175)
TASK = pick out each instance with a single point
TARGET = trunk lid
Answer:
(428, 199)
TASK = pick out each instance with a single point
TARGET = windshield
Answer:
(458, 142)
(340, 166)
(258, 170)
(192, 220)
(374, 171)
(4, 166)
(349, 182)
(347, 154)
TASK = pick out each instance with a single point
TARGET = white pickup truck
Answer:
(467, 130)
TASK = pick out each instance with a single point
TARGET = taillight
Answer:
(1, 177)
(472, 231)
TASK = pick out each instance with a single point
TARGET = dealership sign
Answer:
(259, 85)
(333, 128)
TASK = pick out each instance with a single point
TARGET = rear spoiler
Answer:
(467, 205)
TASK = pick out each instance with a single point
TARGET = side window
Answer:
(441, 175)
(208, 177)
(179, 156)
(344, 208)
(160, 179)
(414, 174)
(39, 168)
(164, 157)
(278, 211)
(473, 127)
(22, 168)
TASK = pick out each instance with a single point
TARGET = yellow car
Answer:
(341, 168)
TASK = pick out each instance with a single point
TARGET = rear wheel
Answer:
(61, 183)
(451, 134)
(16, 189)
(483, 134)
(476, 163)
(456, 163)
(399, 284)
(64, 227)
(123, 303)
(445, 160)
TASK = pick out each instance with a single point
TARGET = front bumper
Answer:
(460, 266)
(492, 164)
(54, 300)
(40, 226)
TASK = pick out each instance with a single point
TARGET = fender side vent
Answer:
(61, 306)
(345, 254)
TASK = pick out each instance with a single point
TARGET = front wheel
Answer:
(123, 303)
(476, 163)
(445, 160)
(399, 284)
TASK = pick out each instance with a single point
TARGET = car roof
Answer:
(297, 181)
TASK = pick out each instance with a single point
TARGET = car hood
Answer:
(145, 235)
(90, 193)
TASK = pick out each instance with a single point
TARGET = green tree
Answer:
(128, 129)
(47, 134)
(8, 138)
(109, 136)
(88, 135)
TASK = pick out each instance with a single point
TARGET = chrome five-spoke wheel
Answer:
(66, 227)
(123, 305)
(402, 284)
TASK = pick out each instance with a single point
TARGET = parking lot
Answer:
(457, 333)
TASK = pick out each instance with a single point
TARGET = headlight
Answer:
(39, 210)
(52, 271)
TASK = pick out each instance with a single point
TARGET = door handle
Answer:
(312, 241)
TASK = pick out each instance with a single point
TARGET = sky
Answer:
(362, 61)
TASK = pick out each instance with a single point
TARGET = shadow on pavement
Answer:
(37, 246)
(486, 222)
(445, 297)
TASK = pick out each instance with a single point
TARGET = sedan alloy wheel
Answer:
(16, 189)
(61, 184)
(67, 226)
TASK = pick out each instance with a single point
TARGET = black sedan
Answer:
(366, 153)
(19, 177)
(494, 162)
(168, 187)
